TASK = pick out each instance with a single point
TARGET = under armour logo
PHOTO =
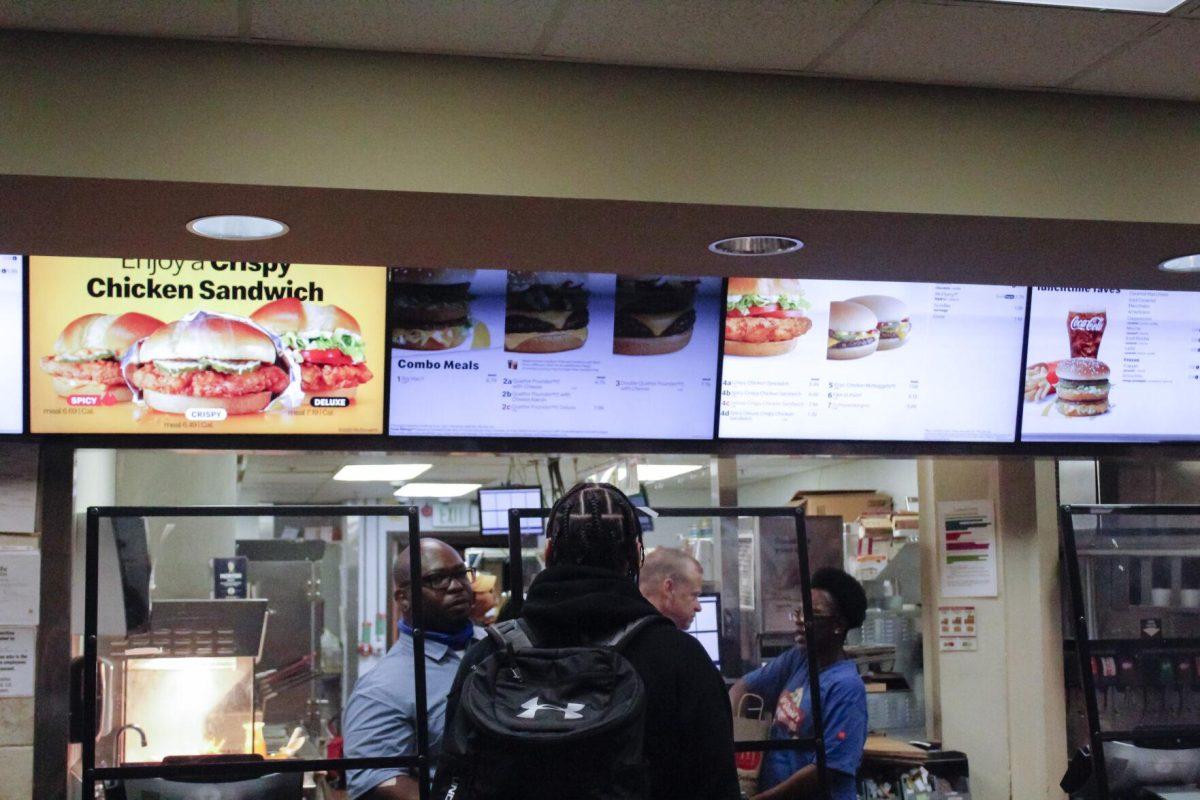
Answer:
(535, 704)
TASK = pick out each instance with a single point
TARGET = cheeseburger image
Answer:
(324, 340)
(1082, 387)
(207, 361)
(87, 354)
(894, 323)
(546, 312)
(431, 308)
(853, 331)
(764, 316)
(654, 315)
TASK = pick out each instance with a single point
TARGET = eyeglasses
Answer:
(797, 616)
(440, 581)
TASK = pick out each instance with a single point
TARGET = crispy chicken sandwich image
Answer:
(1082, 387)
(430, 308)
(207, 361)
(654, 315)
(545, 312)
(853, 331)
(894, 323)
(324, 340)
(87, 354)
(764, 316)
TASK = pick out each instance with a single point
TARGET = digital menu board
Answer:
(1109, 365)
(552, 354)
(820, 359)
(141, 345)
(12, 344)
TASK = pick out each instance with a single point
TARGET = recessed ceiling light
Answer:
(380, 472)
(660, 472)
(1181, 264)
(1145, 6)
(756, 246)
(436, 489)
(237, 227)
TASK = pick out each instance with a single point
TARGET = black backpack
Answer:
(537, 722)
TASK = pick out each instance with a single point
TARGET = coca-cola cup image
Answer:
(1085, 327)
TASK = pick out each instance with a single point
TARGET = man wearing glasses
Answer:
(839, 605)
(381, 718)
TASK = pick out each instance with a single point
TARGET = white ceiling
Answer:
(308, 477)
(955, 42)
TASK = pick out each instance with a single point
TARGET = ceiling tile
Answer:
(1165, 64)
(980, 44)
(447, 26)
(204, 19)
(712, 34)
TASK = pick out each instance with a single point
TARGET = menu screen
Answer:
(139, 345)
(815, 359)
(12, 344)
(552, 354)
(1109, 365)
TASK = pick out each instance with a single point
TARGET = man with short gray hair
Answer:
(671, 580)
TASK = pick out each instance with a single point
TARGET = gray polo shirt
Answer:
(381, 718)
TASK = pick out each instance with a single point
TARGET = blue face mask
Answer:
(457, 640)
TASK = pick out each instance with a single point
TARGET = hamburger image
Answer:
(853, 331)
(430, 308)
(546, 312)
(1082, 387)
(324, 340)
(894, 323)
(764, 316)
(654, 315)
(87, 354)
(207, 361)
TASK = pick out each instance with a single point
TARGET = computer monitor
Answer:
(639, 500)
(706, 627)
(494, 505)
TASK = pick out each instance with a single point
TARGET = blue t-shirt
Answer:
(843, 704)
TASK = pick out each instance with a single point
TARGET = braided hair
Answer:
(595, 525)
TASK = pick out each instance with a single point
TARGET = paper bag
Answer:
(750, 724)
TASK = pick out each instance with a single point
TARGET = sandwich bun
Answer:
(105, 332)
(180, 403)
(66, 387)
(289, 314)
(764, 286)
(1083, 369)
(736, 348)
(550, 342)
(651, 345)
(350, 393)
(1088, 409)
(204, 335)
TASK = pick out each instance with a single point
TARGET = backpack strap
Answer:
(510, 635)
(622, 637)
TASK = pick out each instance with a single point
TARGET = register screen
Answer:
(813, 359)
(12, 344)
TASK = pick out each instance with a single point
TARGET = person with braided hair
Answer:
(588, 594)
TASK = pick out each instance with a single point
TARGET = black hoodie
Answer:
(689, 726)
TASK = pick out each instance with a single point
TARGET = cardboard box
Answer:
(847, 504)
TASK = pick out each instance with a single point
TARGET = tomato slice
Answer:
(772, 311)
(331, 357)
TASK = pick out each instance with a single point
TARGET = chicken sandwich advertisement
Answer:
(138, 345)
